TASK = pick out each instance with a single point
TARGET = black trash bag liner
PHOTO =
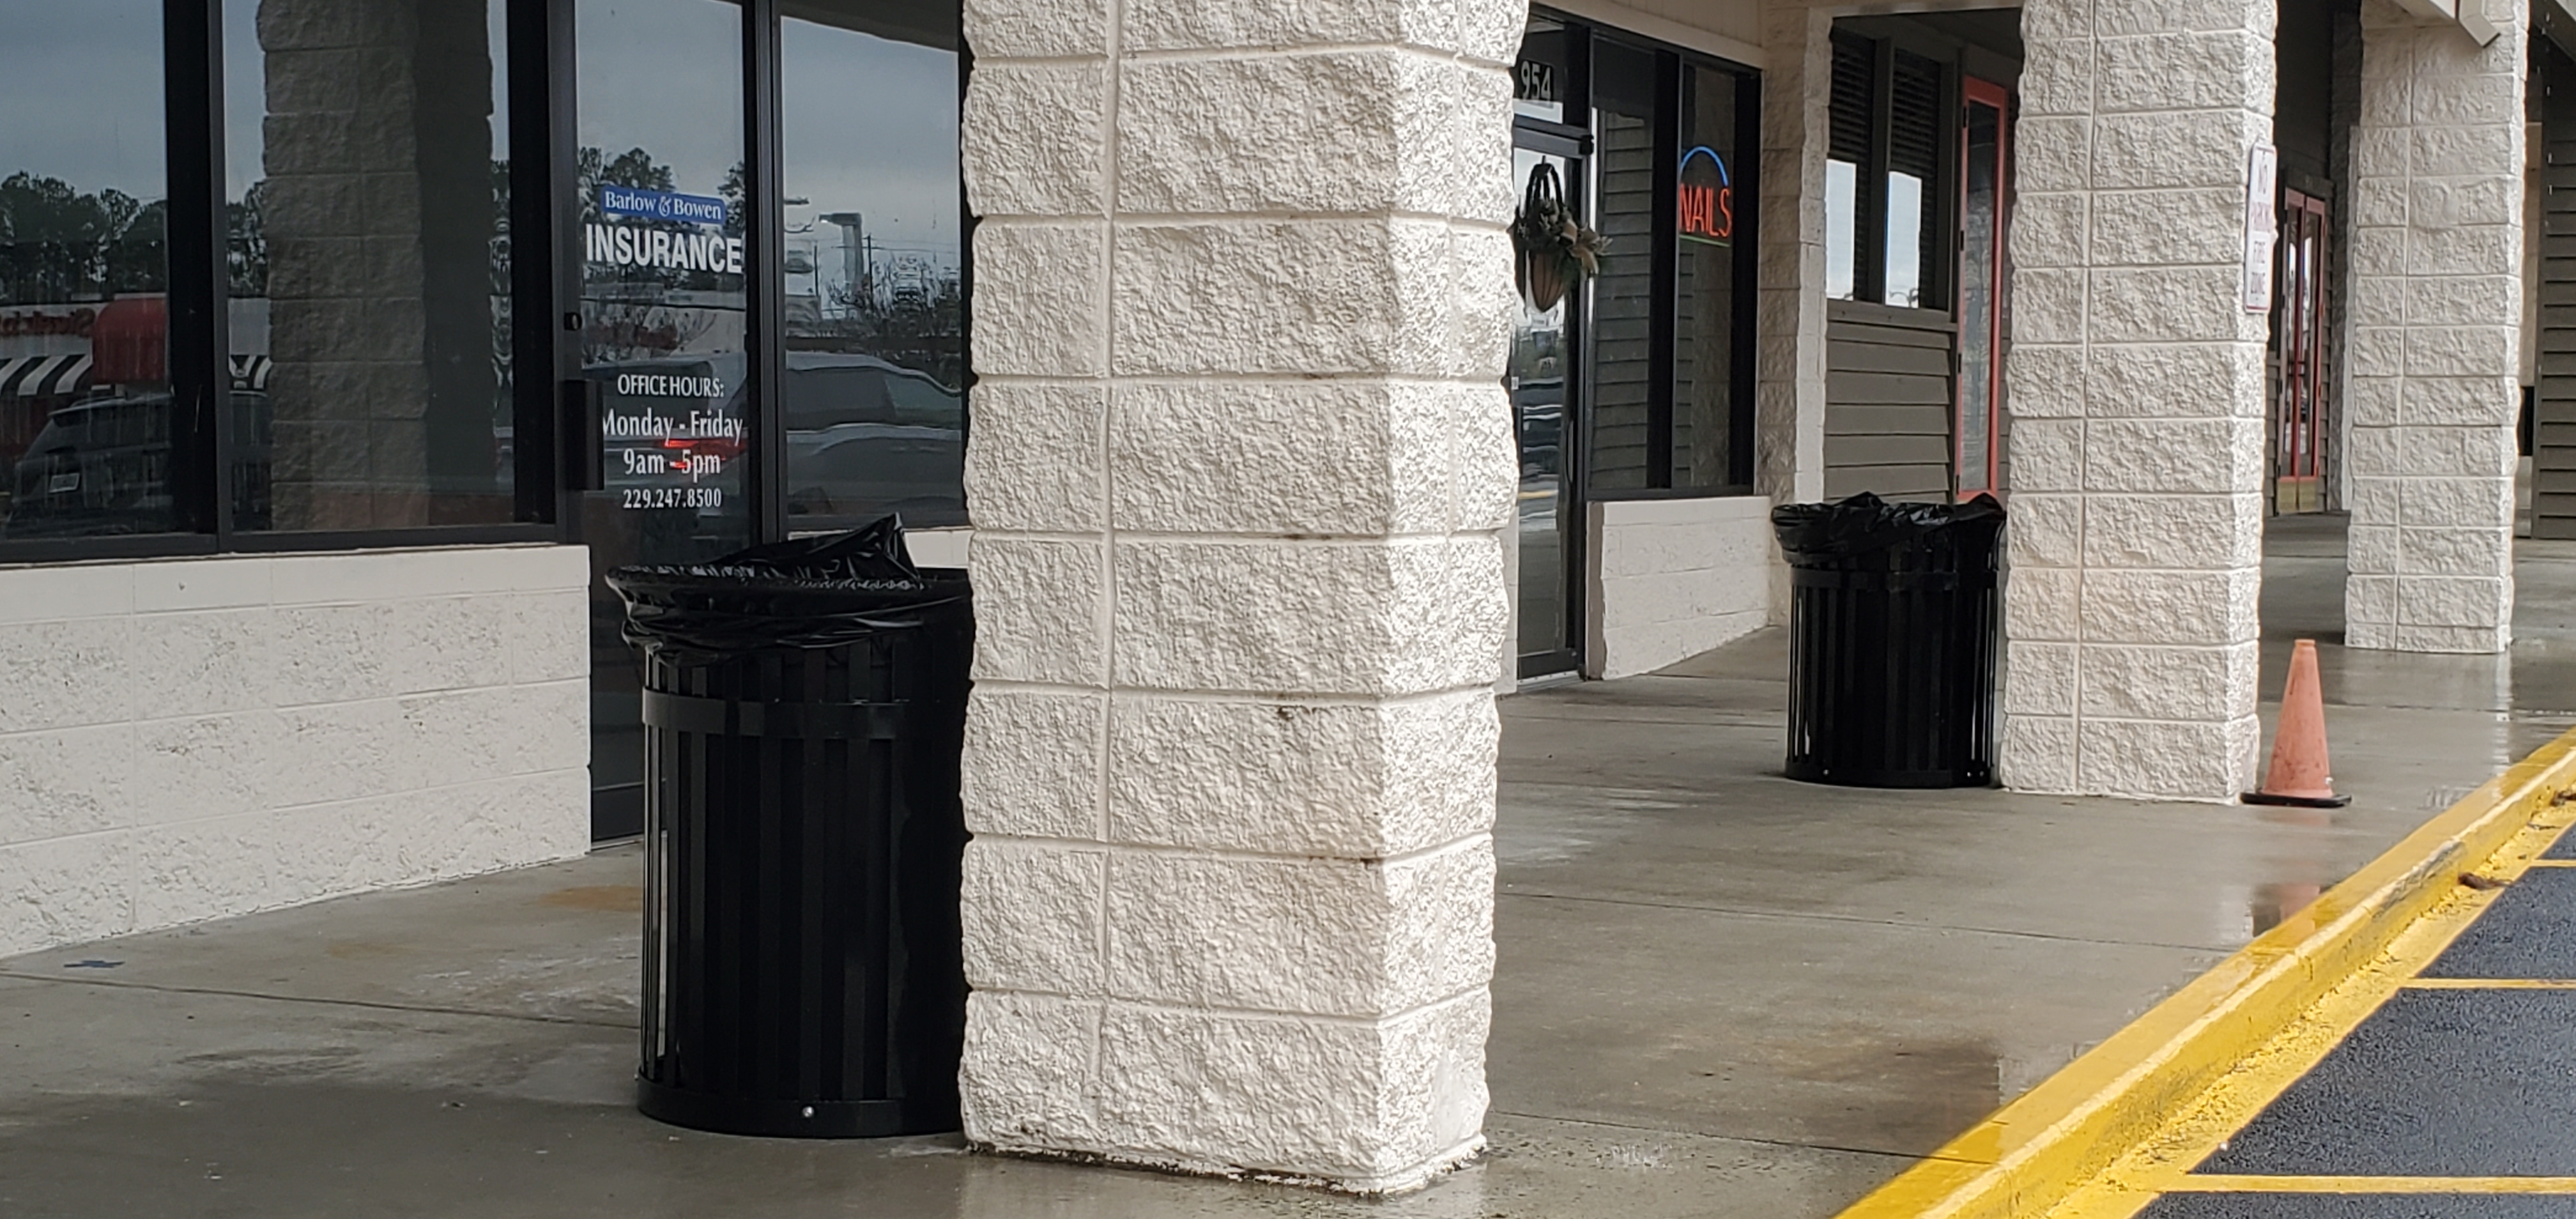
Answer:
(816, 592)
(1866, 523)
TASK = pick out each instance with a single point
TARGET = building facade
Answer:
(1292, 380)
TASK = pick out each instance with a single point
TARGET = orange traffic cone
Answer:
(2299, 745)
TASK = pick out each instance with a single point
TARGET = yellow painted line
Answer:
(2212, 1184)
(2554, 863)
(2490, 984)
(2030, 1157)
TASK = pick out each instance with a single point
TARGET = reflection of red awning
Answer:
(130, 340)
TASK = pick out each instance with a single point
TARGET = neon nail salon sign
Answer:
(1707, 206)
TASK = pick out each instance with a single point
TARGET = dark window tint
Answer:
(1705, 303)
(1910, 275)
(1852, 111)
(84, 271)
(873, 261)
(366, 198)
(1623, 294)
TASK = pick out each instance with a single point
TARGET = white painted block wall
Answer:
(1672, 578)
(189, 739)
(1239, 473)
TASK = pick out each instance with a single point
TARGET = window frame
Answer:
(1939, 271)
(1582, 38)
(535, 66)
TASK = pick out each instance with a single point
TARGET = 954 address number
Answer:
(671, 497)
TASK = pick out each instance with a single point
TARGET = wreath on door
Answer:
(1550, 248)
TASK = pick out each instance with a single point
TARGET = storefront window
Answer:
(1624, 294)
(1913, 167)
(366, 162)
(1665, 341)
(664, 326)
(1884, 177)
(1705, 354)
(85, 403)
(874, 327)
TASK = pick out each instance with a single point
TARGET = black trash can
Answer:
(804, 709)
(1892, 622)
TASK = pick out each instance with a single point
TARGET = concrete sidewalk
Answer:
(1720, 992)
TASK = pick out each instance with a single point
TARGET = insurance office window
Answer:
(366, 162)
(874, 263)
(85, 403)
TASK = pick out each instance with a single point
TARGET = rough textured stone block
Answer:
(1033, 762)
(1027, 1079)
(2185, 532)
(1375, 1107)
(1059, 28)
(1035, 139)
(1320, 457)
(1207, 298)
(2036, 753)
(2167, 760)
(2043, 680)
(1329, 780)
(2172, 607)
(1040, 299)
(1357, 618)
(1034, 916)
(1038, 607)
(1201, 135)
(1034, 457)
(1320, 937)
(2167, 683)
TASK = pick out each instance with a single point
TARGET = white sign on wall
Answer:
(2262, 185)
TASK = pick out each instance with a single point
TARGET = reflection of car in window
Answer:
(103, 467)
(865, 438)
(1540, 409)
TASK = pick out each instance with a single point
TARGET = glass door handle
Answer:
(583, 453)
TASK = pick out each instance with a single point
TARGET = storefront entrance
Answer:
(2299, 413)
(765, 227)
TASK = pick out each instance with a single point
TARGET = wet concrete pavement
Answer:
(1719, 992)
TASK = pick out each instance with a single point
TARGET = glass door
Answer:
(2298, 424)
(664, 327)
(1978, 426)
(1541, 378)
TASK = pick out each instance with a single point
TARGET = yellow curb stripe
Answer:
(2488, 984)
(2553, 863)
(2030, 1155)
(2212, 1184)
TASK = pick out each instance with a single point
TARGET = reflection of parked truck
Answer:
(865, 438)
(103, 467)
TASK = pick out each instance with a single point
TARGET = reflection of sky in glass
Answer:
(246, 87)
(1904, 240)
(869, 125)
(1842, 191)
(82, 84)
(664, 76)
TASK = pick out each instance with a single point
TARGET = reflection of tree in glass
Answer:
(57, 244)
(915, 322)
(640, 324)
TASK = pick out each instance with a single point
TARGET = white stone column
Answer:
(1239, 467)
(2432, 385)
(1789, 389)
(1789, 325)
(2137, 392)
